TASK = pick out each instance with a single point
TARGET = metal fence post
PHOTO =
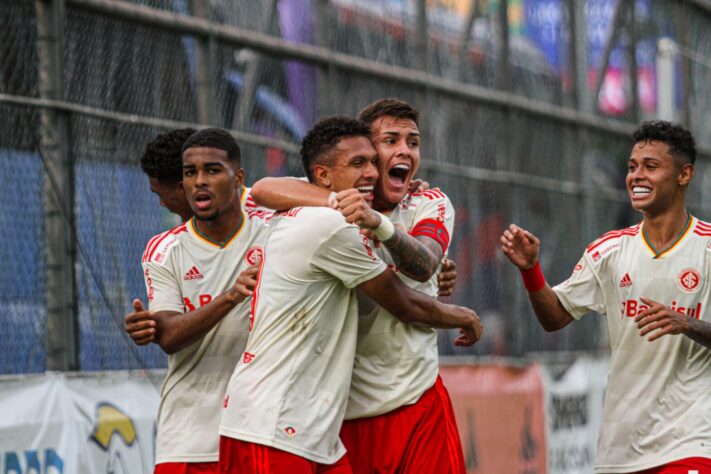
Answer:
(205, 59)
(62, 340)
(323, 73)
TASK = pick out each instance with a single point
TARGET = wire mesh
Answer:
(562, 179)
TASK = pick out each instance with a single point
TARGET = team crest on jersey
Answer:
(290, 431)
(689, 280)
(254, 256)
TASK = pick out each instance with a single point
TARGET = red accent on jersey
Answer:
(247, 358)
(226, 402)
(156, 240)
(613, 234)
(193, 274)
(626, 281)
(432, 194)
(255, 294)
(433, 229)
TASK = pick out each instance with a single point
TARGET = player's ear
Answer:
(322, 175)
(239, 178)
(686, 172)
(179, 188)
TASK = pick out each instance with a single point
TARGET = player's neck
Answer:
(221, 229)
(382, 206)
(663, 229)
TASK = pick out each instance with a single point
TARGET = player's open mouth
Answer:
(398, 174)
(641, 191)
(203, 201)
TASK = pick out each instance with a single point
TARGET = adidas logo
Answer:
(626, 281)
(193, 274)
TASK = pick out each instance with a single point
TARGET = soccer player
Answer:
(195, 292)
(409, 427)
(651, 281)
(163, 164)
(286, 400)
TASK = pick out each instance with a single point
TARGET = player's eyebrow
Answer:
(397, 134)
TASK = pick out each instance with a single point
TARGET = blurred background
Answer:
(527, 112)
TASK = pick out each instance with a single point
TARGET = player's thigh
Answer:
(242, 457)
(186, 468)
(683, 466)
(377, 444)
(435, 446)
(342, 466)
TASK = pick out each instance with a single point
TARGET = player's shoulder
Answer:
(415, 199)
(160, 245)
(702, 230)
(610, 242)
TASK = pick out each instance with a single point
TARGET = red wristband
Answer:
(533, 278)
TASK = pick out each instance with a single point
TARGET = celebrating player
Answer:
(651, 281)
(410, 426)
(286, 400)
(193, 274)
(162, 162)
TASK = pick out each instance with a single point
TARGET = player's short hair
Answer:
(162, 158)
(216, 138)
(391, 107)
(325, 135)
(679, 140)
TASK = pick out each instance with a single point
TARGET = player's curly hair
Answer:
(216, 138)
(679, 140)
(391, 107)
(162, 158)
(325, 135)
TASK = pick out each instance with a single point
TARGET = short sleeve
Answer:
(162, 287)
(434, 218)
(347, 255)
(581, 293)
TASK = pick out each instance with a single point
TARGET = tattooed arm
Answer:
(417, 257)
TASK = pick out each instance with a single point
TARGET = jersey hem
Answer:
(390, 406)
(310, 455)
(613, 469)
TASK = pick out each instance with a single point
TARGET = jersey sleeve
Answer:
(347, 255)
(162, 287)
(434, 218)
(582, 292)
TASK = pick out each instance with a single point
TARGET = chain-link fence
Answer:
(517, 124)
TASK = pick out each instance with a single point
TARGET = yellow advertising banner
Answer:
(500, 415)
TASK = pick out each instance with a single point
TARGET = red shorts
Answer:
(682, 466)
(418, 438)
(186, 468)
(243, 457)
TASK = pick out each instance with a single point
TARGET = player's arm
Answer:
(417, 257)
(521, 247)
(411, 306)
(658, 320)
(174, 331)
(285, 193)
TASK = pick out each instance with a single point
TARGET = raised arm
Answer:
(522, 248)
(417, 257)
(285, 193)
(411, 306)
(174, 331)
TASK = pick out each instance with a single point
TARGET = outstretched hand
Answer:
(140, 325)
(520, 246)
(661, 319)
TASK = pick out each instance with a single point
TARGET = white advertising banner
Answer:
(573, 413)
(57, 424)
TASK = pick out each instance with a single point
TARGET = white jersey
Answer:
(657, 405)
(290, 389)
(397, 362)
(183, 271)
